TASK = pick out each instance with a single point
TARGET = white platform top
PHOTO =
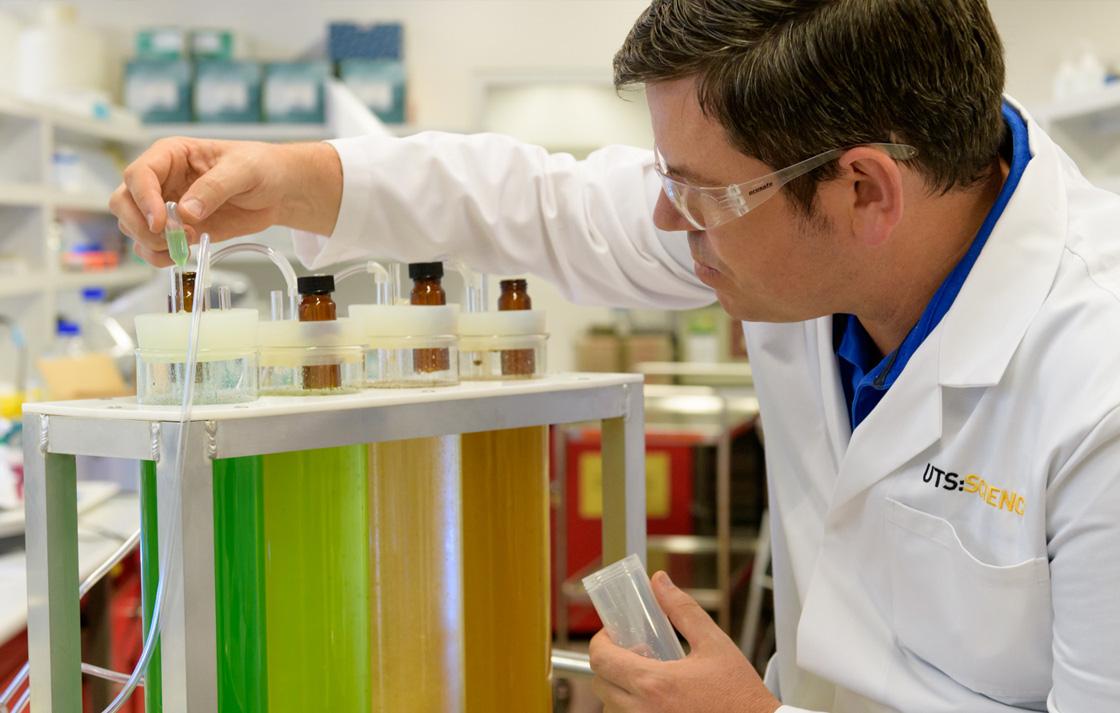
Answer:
(127, 409)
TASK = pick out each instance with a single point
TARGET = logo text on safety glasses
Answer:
(972, 484)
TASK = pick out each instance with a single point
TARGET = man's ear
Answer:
(876, 196)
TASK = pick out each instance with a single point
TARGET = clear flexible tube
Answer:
(169, 545)
(277, 259)
(382, 281)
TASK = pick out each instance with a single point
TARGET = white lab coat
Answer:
(893, 592)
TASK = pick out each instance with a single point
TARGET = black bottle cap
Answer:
(316, 284)
(425, 270)
(513, 284)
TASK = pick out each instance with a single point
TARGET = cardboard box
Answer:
(294, 92)
(162, 44)
(379, 84)
(159, 91)
(227, 92)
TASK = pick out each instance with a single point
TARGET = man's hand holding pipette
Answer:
(227, 189)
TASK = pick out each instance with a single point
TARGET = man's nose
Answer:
(667, 217)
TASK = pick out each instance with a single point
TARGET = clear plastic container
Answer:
(226, 372)
(495, 346)
(409, 345)
(310, 358)
(631, 615)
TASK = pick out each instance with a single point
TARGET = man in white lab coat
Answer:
(931, 294)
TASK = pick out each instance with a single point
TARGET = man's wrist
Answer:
(313, 187)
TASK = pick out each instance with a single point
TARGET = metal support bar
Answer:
(624, 481)
(54, 634)
(571, 662)
(723, 517)
(189, 638)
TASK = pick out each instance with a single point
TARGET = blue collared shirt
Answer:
(866, 375)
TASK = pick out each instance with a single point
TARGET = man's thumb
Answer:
(686, 615)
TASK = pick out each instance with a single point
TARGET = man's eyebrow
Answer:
(690, 176)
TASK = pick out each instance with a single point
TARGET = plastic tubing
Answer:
(277, 259)
(169, 545)
(477, 292)
(382, 281)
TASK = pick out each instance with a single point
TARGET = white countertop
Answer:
(101, 530)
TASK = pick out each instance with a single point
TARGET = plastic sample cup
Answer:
(631, 615)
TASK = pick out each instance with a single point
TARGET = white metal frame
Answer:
(56, 432)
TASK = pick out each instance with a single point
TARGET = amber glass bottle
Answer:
(427, 289)
(188, 294)
(515, 296)
(316, 305)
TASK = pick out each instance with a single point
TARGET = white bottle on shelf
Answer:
(57, 56)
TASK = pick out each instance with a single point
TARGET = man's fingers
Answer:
(152, 257)
(213, 188)
(621, 667)
(130, 221)
(686, 615)
(146, 190)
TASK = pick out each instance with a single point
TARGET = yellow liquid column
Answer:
(506, 571)
(416, 576)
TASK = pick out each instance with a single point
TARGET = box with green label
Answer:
(227, 92)
(158, 91)
(379, 84)
(294, 92)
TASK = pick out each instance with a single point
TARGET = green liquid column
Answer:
(316, 525)
(149, 580)
(239, 585)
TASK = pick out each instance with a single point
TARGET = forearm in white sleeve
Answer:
(506, 207)
(1083, 533)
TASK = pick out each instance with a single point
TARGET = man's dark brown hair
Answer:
(789, 79)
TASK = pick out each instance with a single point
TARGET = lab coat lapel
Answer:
(977, 338)
(906, 422)
(837, 423)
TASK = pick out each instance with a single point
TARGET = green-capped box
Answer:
(162, 44)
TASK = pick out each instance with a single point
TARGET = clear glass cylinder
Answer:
(219, 377)
(506, 561)
(499, 358)
(310, 371)
(416, 571)
(402, 362)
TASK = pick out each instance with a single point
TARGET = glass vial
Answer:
(186, 289)
(427, 289)
(316, 305)
(515, 296)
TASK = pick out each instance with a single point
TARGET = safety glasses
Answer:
(707, 208)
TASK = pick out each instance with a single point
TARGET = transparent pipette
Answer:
(179, 250)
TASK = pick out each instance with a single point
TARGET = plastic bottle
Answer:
(514, 297)
(317, 305)
(68, 341)
(58, 56)
(427, 289)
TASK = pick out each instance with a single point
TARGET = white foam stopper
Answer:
(293, 333)
(228, 332)
(406, 320)
(502, 324)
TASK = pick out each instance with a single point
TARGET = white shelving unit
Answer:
(1088, 128)
(30, 206)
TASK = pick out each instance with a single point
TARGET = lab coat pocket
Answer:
(988, 627)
